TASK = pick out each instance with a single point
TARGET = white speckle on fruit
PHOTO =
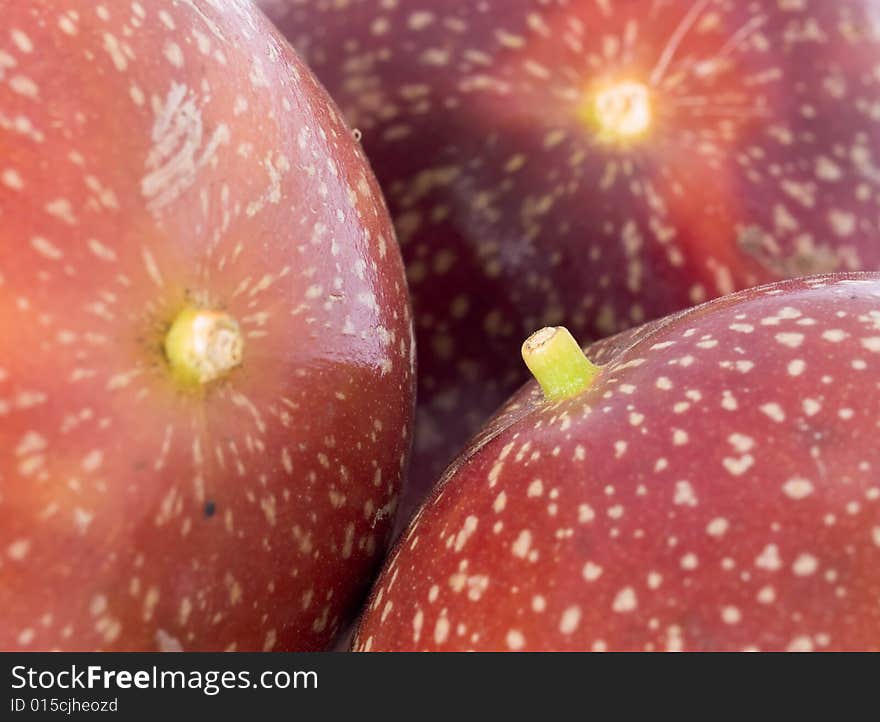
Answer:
(625, 601)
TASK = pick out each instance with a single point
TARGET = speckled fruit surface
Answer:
(717, 487)
(155, 157)
(597, 163)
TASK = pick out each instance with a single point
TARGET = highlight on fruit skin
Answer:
(716, 489)
(558, 363)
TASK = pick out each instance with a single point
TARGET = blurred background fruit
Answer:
(714, 487)
(597, 164)
(206, 382)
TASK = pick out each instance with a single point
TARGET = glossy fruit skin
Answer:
(716, 489)
(513, 213)
(155, 156)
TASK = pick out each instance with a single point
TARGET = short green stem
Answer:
(203, 345)
(558, 363)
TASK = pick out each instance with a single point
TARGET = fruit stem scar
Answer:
(620, 111)
(558, 363)
(203, 345)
